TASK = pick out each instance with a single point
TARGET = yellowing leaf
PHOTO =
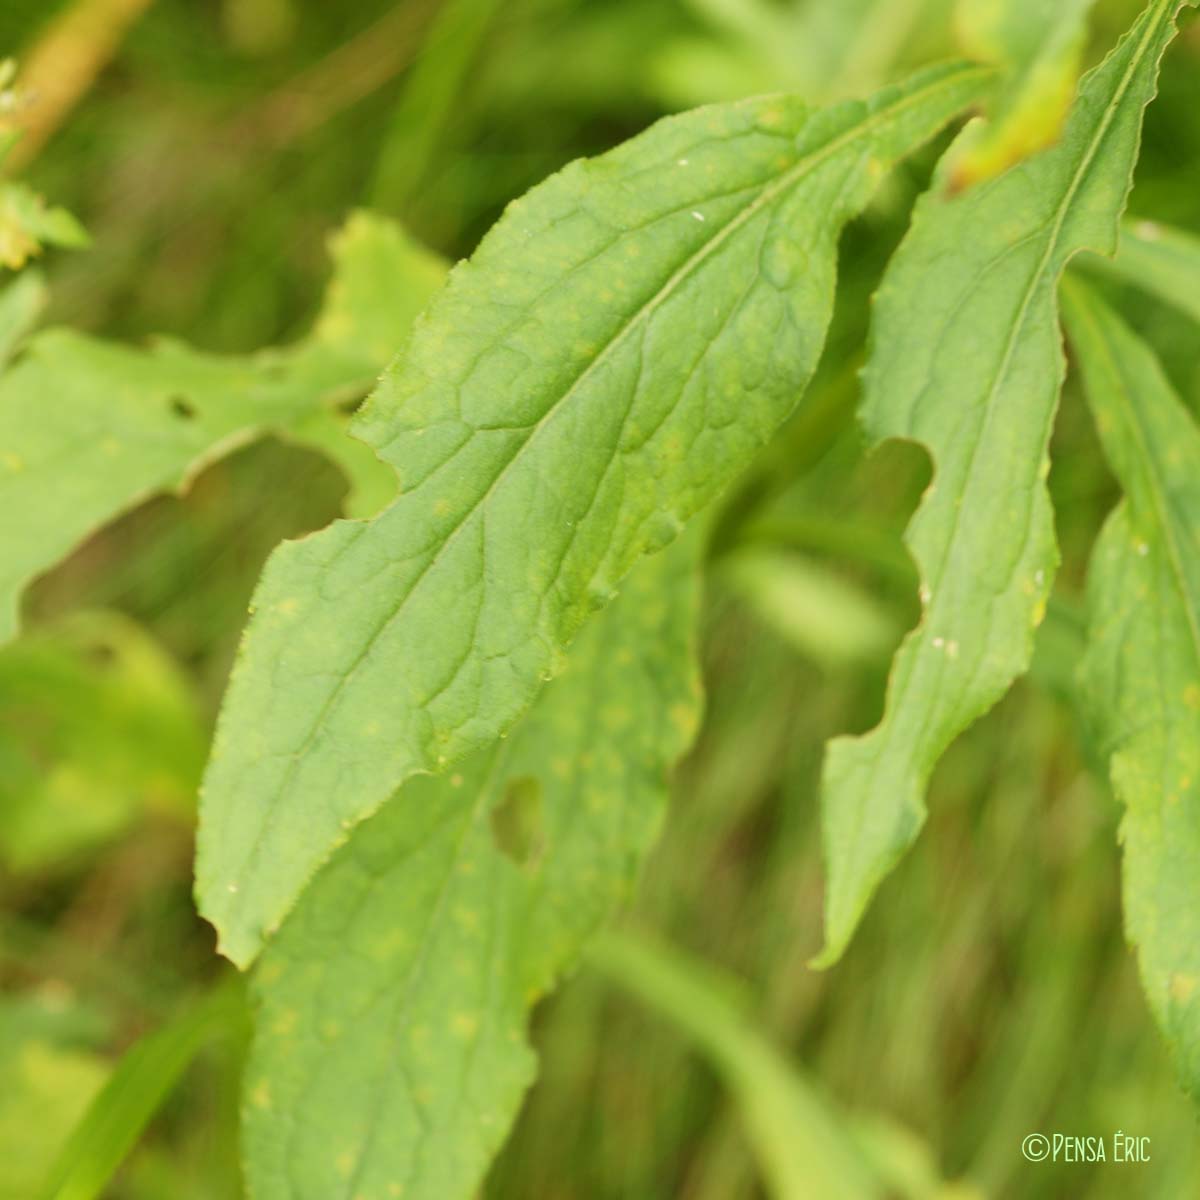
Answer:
(1039, 44)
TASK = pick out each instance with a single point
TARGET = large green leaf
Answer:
(1141, 673)
(391, 1055)
(967, 360)
(88, 429)
(619, 346)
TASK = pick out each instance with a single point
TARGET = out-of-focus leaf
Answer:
(382, 279)
(967, 359)
(617, 349)
(371, 483)
(803, 1146)
(433, 85)
(48, 1083)
(1141, 673)
(1039, 45)
(88, 429)
(133, 1093)
(97, 724)
(21, 301)
(821, 614)
(821, 49)
(27, 223)
(906, 1162)
(390, 1054)
(1157, 259)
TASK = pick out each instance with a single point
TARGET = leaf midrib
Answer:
(896, 701)
(1036, 280)
(768, 194)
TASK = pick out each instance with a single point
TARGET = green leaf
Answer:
(134, 1092)
(967, 360)
(390, 1054)
(1162, 261)
(27, 224)
(88, 429)
(21, 302)
(1040, 47)
(382, 279)
(617, 349)
(1141, 672)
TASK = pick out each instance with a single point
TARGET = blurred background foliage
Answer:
(209, 147)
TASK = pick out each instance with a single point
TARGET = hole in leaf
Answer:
(100, 653)
(517, 827)
(182, 408)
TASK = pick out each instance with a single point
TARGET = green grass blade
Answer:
(419, 123)
(803, 1147)
(134, 1092)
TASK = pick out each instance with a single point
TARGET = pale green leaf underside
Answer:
(391, 1053)
(619, 346)
(967, 360)
(89, 428)
(1141, 673)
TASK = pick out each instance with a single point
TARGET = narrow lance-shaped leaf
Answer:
(967, 359)
(1141, 673)
(89, 429)
(391, 1052)
(619, 346)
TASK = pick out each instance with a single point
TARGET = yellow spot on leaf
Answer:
(285, 1022)
(464, 1025)
(1183, 987)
